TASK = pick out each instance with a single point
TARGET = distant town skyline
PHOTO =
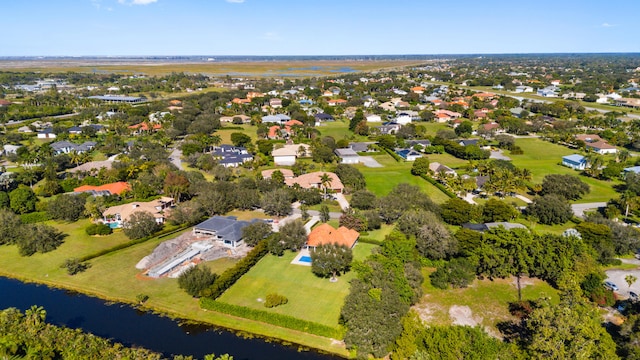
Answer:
(329, 27)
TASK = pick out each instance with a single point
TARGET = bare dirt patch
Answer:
(462, 315)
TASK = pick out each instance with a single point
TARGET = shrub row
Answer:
(98, 229)
(284, 321)
(393, 154)
(231, 275)
(367, 240)
(159, 235)
(435, 183)
(35, 217)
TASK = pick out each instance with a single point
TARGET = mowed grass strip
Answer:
(381, 181)
(544, 158)
(310, 298)
(488, 299)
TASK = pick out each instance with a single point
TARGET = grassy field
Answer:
(488, 300)
(310, 298)
(114, 277)
(381, 181)
(543, 158)
(255, 69)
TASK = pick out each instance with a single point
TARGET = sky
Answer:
(314, 27)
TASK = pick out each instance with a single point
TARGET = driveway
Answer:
(618, 277)
(368, 161)
(344, 204)
(579, 209)
(175, 158)
(497, 154)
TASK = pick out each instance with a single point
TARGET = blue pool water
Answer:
(306, 259)
(113, 225)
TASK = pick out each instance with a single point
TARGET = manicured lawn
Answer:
(310, 298)
(248, 130)
(449, 160)
(488, 300)
(331, 204)
(339, 130)
(541, 228)
(381, 233)
(381, 181)
(544, 158)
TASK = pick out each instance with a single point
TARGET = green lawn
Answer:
(544, 158)
(488, 300)
(310, 298)
(380, 181)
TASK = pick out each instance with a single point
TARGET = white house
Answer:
(403, 119)
(575, 161)
(347, 156)
(373, 118)
(601, 147)
(288, 154)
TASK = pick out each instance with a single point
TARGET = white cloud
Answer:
(137, 2)
(235, 1)
(606, 25)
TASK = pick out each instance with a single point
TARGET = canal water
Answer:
(131, 327)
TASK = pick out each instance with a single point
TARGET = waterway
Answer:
(131, 327)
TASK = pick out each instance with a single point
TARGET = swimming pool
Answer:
(306, 259)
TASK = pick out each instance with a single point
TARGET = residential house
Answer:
(373, 118)
(362, 146)
(277, 119)
(440, 169)
(347, 156)
(601, 147)
(588, 138)
(389, 128)
(446, 115)
(25, 129)
(314, 181)
(575, 161)
(326, 234)
(335, 102)
(403, 118)
(628, 102)
(229, 119)
(523, 89)
(286, 173)
(288, 154)
(633, 169)
(275, 103)
(418, 89)
(491, 225)
(413, 143)
(10, 149)
(65, 147)
(5, 102)
(144, 127)
(467, 142)
(547, 92)
(408, 154)
(239, 101)
(117, 216)
(224, 229)
(116, 188)
(46, 133)
(231, 156)
(320, 117)
(516, 111)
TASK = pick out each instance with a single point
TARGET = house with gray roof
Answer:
(347, 156)
(65, 147)
(575, 161)
(225, 229)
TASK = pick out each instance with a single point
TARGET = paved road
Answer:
(579, 209)
(63, 116)
(469, 198)
(523, 198)
(498, 154)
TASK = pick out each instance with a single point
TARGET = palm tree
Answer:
(35, 316)
(325, 181)
(75, 157)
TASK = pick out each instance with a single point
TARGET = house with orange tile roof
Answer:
(116, 188)
(313, 181)
(484, 95)
(326, 234)
(601, 147)
(418, 89)
(334, 102)
(139, 128)
(254, 94)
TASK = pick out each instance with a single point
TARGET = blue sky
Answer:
(313, 27)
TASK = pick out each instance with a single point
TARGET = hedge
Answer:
(231, 275)
(159, 235)
(284, 321)
(367, 240)
(439, 186)
(393, 154)
(35, 217)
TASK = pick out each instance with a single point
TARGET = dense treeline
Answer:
(28, 336)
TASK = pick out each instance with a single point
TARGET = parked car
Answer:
(633, 296)
(611, 286)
